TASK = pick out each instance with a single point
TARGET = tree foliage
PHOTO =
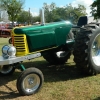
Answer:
(13, 8)
(49, 11)
(24, 17)
(53, 13)
(36, 19)
(95, 7)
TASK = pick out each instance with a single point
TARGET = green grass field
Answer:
(63, 82)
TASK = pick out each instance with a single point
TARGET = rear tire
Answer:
(86, 51)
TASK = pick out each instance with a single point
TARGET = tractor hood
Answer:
(39, 28)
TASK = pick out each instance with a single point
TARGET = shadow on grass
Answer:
(97, 98)
(8, 95)
(8, 91)
(51, 73)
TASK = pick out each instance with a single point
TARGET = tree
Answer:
(48, 11)
(79, 11)
(53, 13)
(95, 7)
(25, 17)
(13, 8)
(36, 19)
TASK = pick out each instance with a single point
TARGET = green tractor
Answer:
(54, 41)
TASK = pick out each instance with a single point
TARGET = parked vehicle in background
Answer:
(5, 31)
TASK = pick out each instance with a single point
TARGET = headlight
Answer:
(8, 51)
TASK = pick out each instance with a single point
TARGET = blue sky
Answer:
(35, 5)
(39, 3)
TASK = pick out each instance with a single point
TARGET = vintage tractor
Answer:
(55, 42)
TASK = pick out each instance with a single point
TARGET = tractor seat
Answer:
(83, 20)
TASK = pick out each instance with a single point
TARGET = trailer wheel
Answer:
(30, 81)
(87, 51)
(7, 70)
(57, 57)
(10, 41)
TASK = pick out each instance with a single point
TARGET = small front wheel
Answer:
(30, 81)
(7, 70)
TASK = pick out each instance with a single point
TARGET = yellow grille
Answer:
(20, 43)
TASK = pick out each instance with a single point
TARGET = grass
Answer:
(63, 82)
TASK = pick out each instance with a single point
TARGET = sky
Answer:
(35, 5)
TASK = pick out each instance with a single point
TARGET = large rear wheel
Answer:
(87, 50)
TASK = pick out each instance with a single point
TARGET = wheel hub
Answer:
(31, 83)
(61, 54)
(96, 50)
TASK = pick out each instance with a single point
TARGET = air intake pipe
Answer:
(42, 17)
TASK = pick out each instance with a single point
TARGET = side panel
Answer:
(61, 34)
(41, 39)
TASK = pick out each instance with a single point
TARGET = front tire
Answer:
(87, 51)
(30, 81)
(7, 70)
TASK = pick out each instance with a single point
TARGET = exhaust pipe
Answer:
(42, 17)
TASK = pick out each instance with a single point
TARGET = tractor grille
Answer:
(20, 42)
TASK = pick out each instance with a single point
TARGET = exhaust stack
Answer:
(42, 17)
